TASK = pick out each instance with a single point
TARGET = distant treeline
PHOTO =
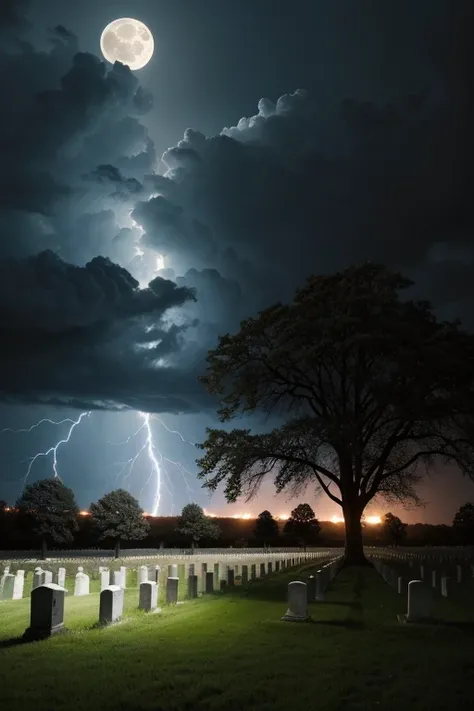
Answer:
(239, 533)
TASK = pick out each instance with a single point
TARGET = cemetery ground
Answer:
(232, 651)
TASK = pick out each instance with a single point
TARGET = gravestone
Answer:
(447, 585)
(420, 601)
(262, 570)
(253, 571)
(6, 571)
(172, 590)
(297, 602)
(401, 585)
(142, 574)
(6, 592)
(104, 579)
(245, 574)
(62, 577)
(111, 604)
(459, 575)
(192, 586)
(48, 577)
(172, 571)
(270, 567)
(81, 584)
(311, 588)
(148, 596)
(38, 578)
(277, 566)
(210, 582)
(19, 585)
(123, 573)
(47, 612)
(433, 578)
(319, 592)
(230, 576)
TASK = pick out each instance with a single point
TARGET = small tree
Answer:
(302, 525)
(394, 531)
(194, 525)
(370, 385)
(49, 509)
(118, 517)
(463, 524)
(266, 528)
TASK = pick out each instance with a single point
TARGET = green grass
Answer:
(232, 651)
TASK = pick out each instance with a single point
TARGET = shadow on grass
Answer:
(13, 642)
(347, 624)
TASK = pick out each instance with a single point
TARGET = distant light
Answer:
(7, 508)
(284, 517)
(373, 520)
(337, 519)
(145, 513)
(84, 513)
(160, 263)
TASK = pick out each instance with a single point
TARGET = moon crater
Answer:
(128, 41)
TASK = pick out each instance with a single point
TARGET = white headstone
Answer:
(172, 591)
(80, 569)
(447, 585)
(148, 596)
(62, 577)
(111, 604)
(173, 571)
(117, 578)
(420, 601)
(104, 579)
(6, 571)
(123, 571)
(297, 602)
(48, 577)
(6, 592)
(81, 585)
(47, 611)
(38, 578)
(19, 585)
(142, 574)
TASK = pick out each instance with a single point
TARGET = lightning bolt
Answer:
(52, 450)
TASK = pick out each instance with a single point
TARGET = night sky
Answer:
(355, 144)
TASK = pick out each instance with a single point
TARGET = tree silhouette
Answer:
(118, 517)
(194, 525)
(49, 509)
(302, 526)
(394, 531)
(372, 385)
(266, 528)
(463, 524)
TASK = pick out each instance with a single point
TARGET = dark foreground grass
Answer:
(233, 652)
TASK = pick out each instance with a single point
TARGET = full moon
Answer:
(127, 41)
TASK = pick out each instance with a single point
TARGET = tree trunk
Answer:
(354, 548)
(44, 549)
(117, 548)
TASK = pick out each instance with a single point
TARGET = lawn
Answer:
(231, 651)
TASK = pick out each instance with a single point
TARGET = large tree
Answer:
(394, 530)
(370, 384)
(302, 526)
(194, 525)
(49, 510)
(266, 528)
(118, 517)
(463, 524)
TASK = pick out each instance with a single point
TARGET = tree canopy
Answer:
(118, 516)
(194, 525)
(302, 526)
(369, 385)
(50, 509)
(266, 528)
(463, 524)
(394, 531)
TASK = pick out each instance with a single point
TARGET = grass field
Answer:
(232, 651)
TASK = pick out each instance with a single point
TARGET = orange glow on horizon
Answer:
(84, 513)
(373, 520)
(337, 519)
(283, 517)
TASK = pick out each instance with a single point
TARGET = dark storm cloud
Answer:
(241, 217)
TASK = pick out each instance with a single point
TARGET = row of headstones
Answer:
(413, 559)
(301, 593)
(11, 586)
(445, 583)
(420, 593)
(47, 600)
